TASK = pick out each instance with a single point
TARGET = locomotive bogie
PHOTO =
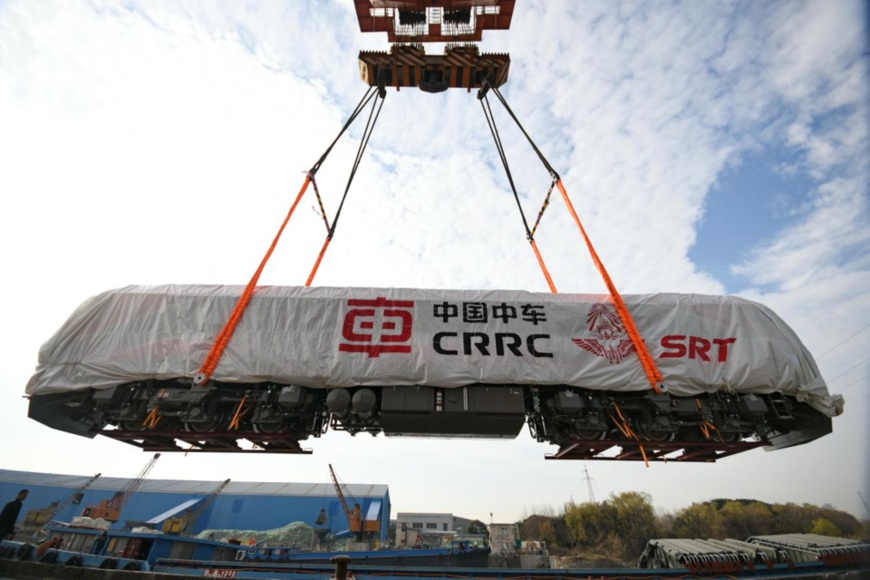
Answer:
(555, 414)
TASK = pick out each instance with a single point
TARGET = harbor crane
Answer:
(360, 528)
(110, 509)
(34, 520)
(183, 524)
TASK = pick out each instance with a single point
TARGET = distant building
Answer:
(504, 538)
(430, 528)
(240, 505)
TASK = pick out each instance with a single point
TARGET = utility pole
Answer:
(864, 501)
(589, 484)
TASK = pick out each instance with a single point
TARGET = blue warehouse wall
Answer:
(228, 511)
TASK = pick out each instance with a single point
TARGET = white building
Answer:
(429, 527)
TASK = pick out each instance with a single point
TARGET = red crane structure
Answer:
(434, 20)
(360, 528)
(110, 509)
(409, 24)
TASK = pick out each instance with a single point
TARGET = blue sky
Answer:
(709, 146)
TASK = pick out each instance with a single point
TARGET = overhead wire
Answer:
(864, 360)
(844, 341)
(852, 384)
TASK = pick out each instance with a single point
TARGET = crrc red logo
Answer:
(377, 326)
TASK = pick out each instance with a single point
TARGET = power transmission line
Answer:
(850, 369)
(843, 342)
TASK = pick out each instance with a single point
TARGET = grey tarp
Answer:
(330, 337)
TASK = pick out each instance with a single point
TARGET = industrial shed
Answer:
(242, 505)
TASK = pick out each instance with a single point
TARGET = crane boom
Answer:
(110, 509)
(69, 499)
(37, 518)
(361, 528)
(119, 500)
(183, 524)
(347, 511)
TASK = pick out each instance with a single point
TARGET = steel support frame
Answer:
(630, 450)
(216, 442)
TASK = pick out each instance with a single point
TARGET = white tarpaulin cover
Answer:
(331, 337)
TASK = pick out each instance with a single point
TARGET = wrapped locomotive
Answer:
(452, 363)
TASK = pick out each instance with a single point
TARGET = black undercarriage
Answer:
(175, 415)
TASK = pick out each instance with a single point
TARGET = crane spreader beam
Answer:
(460, 67)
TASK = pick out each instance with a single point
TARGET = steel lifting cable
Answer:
(374, 114)
(490, 119)
(223, 337)
(650, 368)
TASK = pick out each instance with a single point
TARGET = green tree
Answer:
(743, 519)
(825, 527)
(699, 520)
(636, 521)
(620, 527)
(476, 527)
(846, 522)
(552, 530)
(590, 523)
(791, 518)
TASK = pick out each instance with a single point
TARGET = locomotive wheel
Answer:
(270, 427)
(588, 434)
(213, 423)
(657, 436)
(730, 437)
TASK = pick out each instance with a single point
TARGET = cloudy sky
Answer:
(715, 147)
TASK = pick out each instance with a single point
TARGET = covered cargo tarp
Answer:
(342, 337)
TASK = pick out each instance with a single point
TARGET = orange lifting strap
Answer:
(649, 365)
(654, 376)
(223, 338)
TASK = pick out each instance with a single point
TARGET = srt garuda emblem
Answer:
(609, 337)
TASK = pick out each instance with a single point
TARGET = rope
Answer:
(627, 431)
(223, 338)
(544, 206)
(226, 333)
(544, 269)
(529, 139)
(490, 119)
(374, 114)
(234, 423)
(152, 419)
(487, 111)
(650, 368)
(318, 260)
(319, 201)
(706, 426)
